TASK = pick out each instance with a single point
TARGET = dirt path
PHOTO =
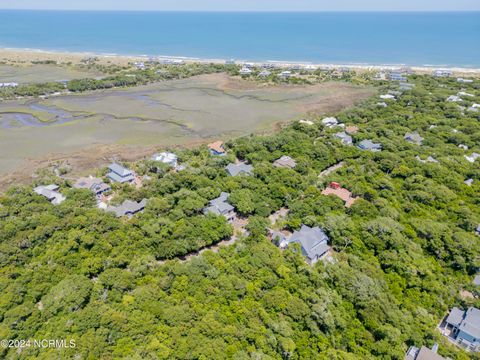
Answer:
(331, 169)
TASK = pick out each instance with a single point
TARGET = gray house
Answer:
(414, 138)
(285, 162)
(240, 168)
(50, 192)
(128, 208)
(220, 206)
(370, 145)
(313, 241)
(344, 138)
(120, 174)
(95, 185)
(423, 353)
(465, 327)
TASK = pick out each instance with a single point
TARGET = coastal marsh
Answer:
(177, 112)
(39, 73)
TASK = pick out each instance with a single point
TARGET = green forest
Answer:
(404, 253)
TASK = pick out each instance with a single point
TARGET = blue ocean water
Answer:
(440, 39)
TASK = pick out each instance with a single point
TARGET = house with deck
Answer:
(313, 243)
(285, 162)
(336, 189)
(120, 174)
(128, 208)
(168, 158)
(217, 148)
(245, 71)
(240, 168)
(50, 192)
(423, 353)
(330, 122)
(463, 328)
(95, 185)
(220, 206)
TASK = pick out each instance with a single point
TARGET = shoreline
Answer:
(19, 55)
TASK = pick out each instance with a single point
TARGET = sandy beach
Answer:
(27, 56)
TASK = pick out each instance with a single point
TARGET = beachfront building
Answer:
(442, 73)
(240, 168)
(336, 189)
(120, 174)
(397, 76)
(128, 208)
(168, 158)
(313, 243)
(463, 328)
(414, 138)
(344, 138)
(285, 162)
(50, 192)
(220, 206)
(423, 353)
(217, 148)
(370, 145)
(230, 62)
(95, 185)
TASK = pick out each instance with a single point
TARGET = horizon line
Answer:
(249, 11)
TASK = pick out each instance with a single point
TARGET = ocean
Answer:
(379, 38)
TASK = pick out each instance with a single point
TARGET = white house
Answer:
(166, 158)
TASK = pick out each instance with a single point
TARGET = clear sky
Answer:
(246, 5)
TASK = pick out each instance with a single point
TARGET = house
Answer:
(51, 193)
(382, 104)
(397, 76)
(474, 107)
(306, 122)
(463, 93)
(285, 162)
(245, 71)
(423, 353)
(478, 230)
(330, 122)
(140, 65)
(313, 242)
(336, 189)
(95, 185)
(239, 169)
(464, 327)
(351, 129)
(168, 158)
(454, 98)
(220, 206)
(414, 138)
(442, 73)
(464, 81)
(468, 182)
(120, 174)
(476, 279)
(216, 148)
(9, 84)
(370, 145)
(429, 159)
(264, 73)
(406, 86)
(344, 138)
(387, 97)
(463, 147)
(230, 62)
(472, 157)
(128, 208)
(380, 76)
(285, 74)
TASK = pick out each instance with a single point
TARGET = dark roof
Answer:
(120, 170)
(128, 207)
(369, 145)
(455, 317)
(427, 354)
